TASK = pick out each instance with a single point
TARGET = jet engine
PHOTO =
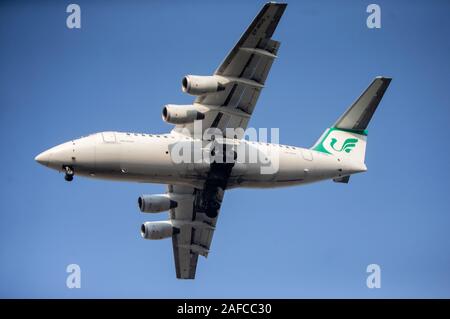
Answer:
(155, 203)
(199, 85)
(181, 114)
(158, 230)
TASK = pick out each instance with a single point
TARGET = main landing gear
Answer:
(69, 173)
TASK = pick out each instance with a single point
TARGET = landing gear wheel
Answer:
(211, 213)
(69, 173)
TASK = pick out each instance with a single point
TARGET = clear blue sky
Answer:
(127, 61)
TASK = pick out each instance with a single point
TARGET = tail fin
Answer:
(348, 136)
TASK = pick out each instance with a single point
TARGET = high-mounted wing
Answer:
(237, 84)
(243, 74)
(195, 228)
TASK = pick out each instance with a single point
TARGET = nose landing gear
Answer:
(69, 173)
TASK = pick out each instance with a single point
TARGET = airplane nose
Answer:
(43, 158)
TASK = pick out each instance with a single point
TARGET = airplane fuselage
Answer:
(149, 158)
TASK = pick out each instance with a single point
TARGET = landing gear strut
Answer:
(69, 173)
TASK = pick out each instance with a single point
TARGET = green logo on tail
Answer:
(348, 145)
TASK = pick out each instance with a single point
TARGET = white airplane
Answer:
(225, 100)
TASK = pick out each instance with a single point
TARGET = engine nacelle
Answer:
(155, 203)
(181, 114)
(199, 85)
(158, 230)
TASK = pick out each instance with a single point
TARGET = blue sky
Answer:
(127, 61)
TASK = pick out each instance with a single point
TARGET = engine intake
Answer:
(181, 114)
(155, 203)
(158, 230)
(199, 85)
